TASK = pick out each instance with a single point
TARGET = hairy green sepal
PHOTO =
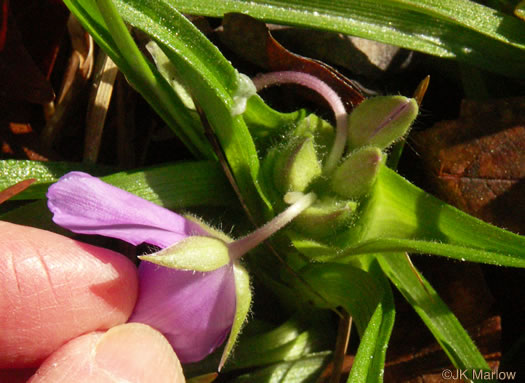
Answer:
(193, 253)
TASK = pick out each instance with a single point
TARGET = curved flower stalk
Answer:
(194, 290)
(312, 82)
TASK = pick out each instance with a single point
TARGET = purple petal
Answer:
(193, 310)
(87, 205)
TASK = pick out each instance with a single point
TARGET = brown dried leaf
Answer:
(367, 58)
(252, 40)
(75, 78)
(15, 189)
(425, 363)
(477, 162)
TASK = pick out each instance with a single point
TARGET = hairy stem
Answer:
(309, 81)
(240, 247)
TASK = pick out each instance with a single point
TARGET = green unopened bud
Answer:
(356, 175)
(297, 166)
(193, 253)
(380, 121)
(326, 217)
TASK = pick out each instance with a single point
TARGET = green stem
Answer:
(240, 247)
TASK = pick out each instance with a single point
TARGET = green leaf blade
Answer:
(173, 186)
(400, 214)
(212, 81)
(433, 311)
(462, 30)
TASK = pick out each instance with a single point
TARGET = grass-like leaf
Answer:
(303, 370)
(458, 29)
(401, 217)
(178, 185)
(45, 173)
(174, 186)
(211, 80)
(434, 312)
(369, 362)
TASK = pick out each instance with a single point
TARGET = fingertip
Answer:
(122, 352)
(131, 352)
(16, 375)
(54, 289)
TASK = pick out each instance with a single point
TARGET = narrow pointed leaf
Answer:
(461, 253)
(400, 214)
(181, 184)
(212, 82)
(463, 30)
(434, 312)
(361, 368)
(369, 362)
(174, 186)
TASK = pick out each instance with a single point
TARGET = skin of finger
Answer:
(54, 289)
(132, 352)
(16, 375)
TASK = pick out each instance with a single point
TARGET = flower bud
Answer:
(380, 121)
(326, 217)
(297, 166)
(355, 176)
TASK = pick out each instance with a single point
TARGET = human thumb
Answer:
(130, 352)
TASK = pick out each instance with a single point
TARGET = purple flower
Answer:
(194, 310)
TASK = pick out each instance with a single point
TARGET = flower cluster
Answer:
(312, 157)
